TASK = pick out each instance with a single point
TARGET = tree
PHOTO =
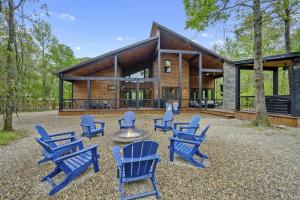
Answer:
(201, 14)
(45, 40)
(285, 10)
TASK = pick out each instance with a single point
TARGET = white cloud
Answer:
(218, 42)
(77, 48)
(66, 16)
(125, 39)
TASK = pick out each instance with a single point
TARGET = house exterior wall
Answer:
(172, 79)
(229, 87)
(99, 89)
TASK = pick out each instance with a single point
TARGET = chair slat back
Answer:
(168, 116)
(44, 135)
(129, 117)
(193, 123)
(45, 146)
(89, 120)
(139, 150)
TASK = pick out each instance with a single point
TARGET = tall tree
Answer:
(285, 11)
(202, 13)
(45, 40)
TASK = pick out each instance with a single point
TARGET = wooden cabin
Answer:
(166, 67)
(169, 68)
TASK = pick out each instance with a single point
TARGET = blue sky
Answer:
(93, 27)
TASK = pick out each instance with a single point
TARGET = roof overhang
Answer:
(127, 55)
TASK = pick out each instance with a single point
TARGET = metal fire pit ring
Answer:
(129, 135)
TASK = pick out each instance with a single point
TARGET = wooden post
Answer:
(158, 79)
(200, 80)
(88, 84)
(237, 88)
(275, 82)
(60, 93)
(137, 93)
(180, 79)
(116, 81)
(295, 95)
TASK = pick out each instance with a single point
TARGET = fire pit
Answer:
(129, 135)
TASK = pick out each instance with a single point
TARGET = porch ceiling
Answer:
(127, 56)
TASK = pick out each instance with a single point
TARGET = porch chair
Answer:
(187, 127)
(89, 127)
(72, 164)
(187, 146)
(138, 162)
(54, 140)
(128, 121)
(165, 122)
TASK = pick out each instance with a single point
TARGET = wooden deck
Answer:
(230, 114)
(216, 112)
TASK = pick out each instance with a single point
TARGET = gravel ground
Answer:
(244, 162)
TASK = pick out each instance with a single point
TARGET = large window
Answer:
(170, 93)
(167, 66)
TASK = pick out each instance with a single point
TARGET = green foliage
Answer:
(7, 137)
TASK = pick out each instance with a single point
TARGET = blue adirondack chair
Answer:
(138, 162)
(55, 140)
(164, 123)
(72, 164)
(187, 146)
(187, 128)
(128, 121)
(89, 127)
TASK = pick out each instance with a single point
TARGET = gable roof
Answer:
(156, 26)
(107, 55)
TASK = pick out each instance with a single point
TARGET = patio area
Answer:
(244, 162)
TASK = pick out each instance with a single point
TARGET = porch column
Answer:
(180, 79)
(158, 79)
(60, 92)
(88, 85)
(275, 82)
(200, 80)
(137, 93)
(295, 96)
(116, 82)
(230, 84)
(238, 89)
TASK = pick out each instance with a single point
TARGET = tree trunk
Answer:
(258, 76)
(9, 101)
(287, 37)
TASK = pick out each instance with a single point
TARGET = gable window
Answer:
(167, 66)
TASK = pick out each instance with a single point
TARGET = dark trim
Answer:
(179, 51)
(137, 94)
(288, 56)
(93, 78)
(163, 28)
(237, 88)
(106, 55)
(61, 93)
(295, 95)
(275, 82)
(88, 91)
(158, 76)
(200, 80)
(116, 82)
(180, 78)
(212, 70)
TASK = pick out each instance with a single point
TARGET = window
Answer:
(170, 93)
(167, 66)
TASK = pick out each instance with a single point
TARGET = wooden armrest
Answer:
(72, 133)
(59, 139)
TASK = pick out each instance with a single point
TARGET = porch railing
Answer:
(275, 104)
(69, 104)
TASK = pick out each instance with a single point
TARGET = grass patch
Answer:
(7, 137)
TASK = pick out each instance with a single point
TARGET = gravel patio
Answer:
(244, 162)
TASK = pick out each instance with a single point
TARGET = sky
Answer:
(94, 27)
